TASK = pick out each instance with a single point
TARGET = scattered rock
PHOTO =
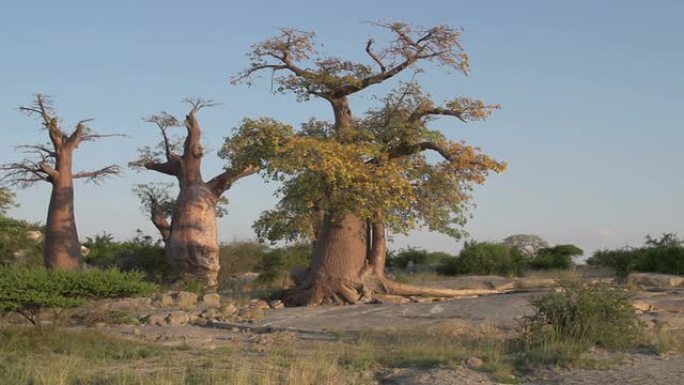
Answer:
(34, 235)
(212, 300)
(655, 280)
(158, 319)
(176, 318)
(162, 300)
(230, 310)
(210, 313)
(276, 304)
(184, 299)
(474, 363)
(259, 304)
(642, 306)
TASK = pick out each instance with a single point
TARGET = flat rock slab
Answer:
(500, 310)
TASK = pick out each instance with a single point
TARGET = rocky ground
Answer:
(212, 321)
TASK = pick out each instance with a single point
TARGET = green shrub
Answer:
(401, 258)
(142, 253)
(276, 264)
(29, 290)
(485, 258)
(566, 324)
(622, 261)
(658, 255)
(557, 257)
(15, 246)
(239, 257)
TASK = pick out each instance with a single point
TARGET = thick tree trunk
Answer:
(62, 249)
(378, 248)
(192, 243)
(346, 271)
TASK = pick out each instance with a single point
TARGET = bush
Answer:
(658, 255)
(27, 291)
(275, 265)
(15, 245)
(557, 257)
(484, 259)
(240, 257)
(566, 324)
(417, 256)
(141, 253)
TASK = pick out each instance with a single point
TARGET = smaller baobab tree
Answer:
(156, 202)
(53, 163)
(192, 238)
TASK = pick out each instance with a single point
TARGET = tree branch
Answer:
(374, 56)
(163, 121)
(26, 173)
(172, 168)
(410, 149)
(222, 182)
(98, 175)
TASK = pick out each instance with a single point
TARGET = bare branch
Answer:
(26, 173)
(464, 109)
(42, 151)
(98, 175)
(163, 121)
(199, 103)
(374, 56)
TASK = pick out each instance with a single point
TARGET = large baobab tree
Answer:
(53, 163)
(351, 180)
(191, 238)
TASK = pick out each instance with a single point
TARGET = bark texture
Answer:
(192, 242)
(62, 248)
(192, 238)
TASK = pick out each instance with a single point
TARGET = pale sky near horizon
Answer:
(590, 92)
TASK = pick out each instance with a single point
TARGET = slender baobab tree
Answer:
(53, 163)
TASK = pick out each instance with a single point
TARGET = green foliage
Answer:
(566, 324)
(557, 257)
(418, 256)
(374, 167)
(7, 200)
(142, 253)
(276, 264)
(15, 245)
(484, 258)
(658, 255)
(28, 290)
(239, 257)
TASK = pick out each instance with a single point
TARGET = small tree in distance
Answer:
(53, 163)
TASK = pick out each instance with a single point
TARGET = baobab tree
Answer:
(156, 202)
(192, 240)
(350, 180)
(53, 163)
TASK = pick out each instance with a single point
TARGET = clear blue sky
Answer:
(591, 92)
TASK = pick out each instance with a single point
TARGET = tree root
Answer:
(343, 291)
